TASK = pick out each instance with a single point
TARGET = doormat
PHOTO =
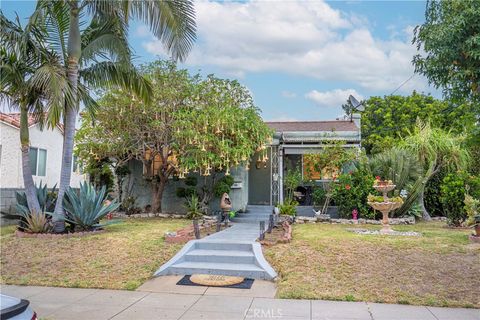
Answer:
(245, 284)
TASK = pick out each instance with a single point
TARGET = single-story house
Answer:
(45, 157)
(262, 184)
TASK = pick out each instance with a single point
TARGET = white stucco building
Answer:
(45, 156)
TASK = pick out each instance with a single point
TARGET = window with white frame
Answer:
(38, 161)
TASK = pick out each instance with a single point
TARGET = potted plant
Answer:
(194, 212)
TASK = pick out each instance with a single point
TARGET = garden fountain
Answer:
(384, 204)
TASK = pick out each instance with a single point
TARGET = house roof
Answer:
(313, 126)
(13, 119)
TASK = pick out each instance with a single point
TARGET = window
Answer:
(38, 161)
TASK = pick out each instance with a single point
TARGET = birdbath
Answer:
(386, 206)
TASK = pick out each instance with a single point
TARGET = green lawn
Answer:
(122, 258)
(325, 261)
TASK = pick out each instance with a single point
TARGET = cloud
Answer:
(307, 38)
(288, 94)
(333, 98)
(142, 31)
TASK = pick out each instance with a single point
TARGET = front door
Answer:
(259, 179)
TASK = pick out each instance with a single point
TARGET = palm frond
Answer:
(107, 74)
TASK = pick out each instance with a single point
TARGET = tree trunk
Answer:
(157, 194)
(30, 190)
(421, 201)
(74, 51)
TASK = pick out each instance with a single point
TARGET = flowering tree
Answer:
(193, 125)
(220, 130)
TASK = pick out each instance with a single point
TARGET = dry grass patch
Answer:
(327, 262)
(122, 258)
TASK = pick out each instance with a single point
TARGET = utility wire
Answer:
(403, 83)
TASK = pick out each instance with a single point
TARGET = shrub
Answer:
(472, 208)
(292, 180)
(223, 186)
(350, 192)
(289, 207)
(86, 209)
(128, 205)
(452, 195)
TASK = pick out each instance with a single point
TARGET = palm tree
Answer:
(88, 55)
(435, 149)
(32, 81)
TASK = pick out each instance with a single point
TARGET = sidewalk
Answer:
(68, 303)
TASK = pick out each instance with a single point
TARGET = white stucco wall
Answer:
(11, 161)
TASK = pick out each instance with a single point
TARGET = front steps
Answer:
(231, 252)
(243, 259)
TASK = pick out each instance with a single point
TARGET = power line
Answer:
(403, 83)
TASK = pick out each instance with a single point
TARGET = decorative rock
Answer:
(392, 233)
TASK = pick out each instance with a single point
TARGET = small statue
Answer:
(226, 206)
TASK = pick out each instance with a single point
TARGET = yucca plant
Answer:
(88, 207)
(37, 223)
(194, 211)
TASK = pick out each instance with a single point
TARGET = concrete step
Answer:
(227, 269)
(268, 209)
(252, 214)
(221, 256)
(211, 245)
(250, 219)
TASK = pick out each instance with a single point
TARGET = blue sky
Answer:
(300, 60)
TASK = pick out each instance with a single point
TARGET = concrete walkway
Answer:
(72, 304)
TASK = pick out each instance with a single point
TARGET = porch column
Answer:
(280, 175)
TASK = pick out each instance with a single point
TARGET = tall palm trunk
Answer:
(30, 190)
(74, 51)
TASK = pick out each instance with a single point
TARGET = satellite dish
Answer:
(356, 105)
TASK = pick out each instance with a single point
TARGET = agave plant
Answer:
(88, 207)
(46, 199)
(31, 221)
(194, 211)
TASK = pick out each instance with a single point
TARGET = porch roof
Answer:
(313, 126)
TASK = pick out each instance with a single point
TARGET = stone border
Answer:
(21, 234)
(122, 215)
(187, 233)
(326, 219)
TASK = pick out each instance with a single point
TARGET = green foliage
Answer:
(351, 191)
(100, 173)
(289, 207)
(472, 208)
(129, 205)
(46, 199)
(432, 194)
(194, 211)
(220, 129)
(387, 120)
(403, 169)
(191, 181)
(85, 209)
(223, 186)
(185, 192)
(452, 195)
(334, 157)
(291, 181)
(450, 39)
(318, 195)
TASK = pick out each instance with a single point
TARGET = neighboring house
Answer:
(45, 157)
(262, 184)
